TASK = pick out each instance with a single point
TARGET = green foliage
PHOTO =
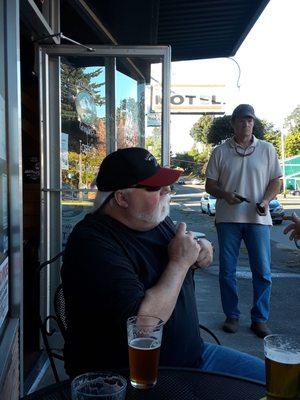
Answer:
(292, 144)
(185, 161)
(193, 162)
(201, 128)
(74, 80)
(221, 129)
(274, 138)
(89, 168)
(153, 143)
(272, 135)
(203, 158)
(292, 122)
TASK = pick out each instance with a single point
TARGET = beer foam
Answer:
(282, 356)
(144, 344)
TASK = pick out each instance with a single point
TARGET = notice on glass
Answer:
(3, 290)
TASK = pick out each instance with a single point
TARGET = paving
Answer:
(285, 304)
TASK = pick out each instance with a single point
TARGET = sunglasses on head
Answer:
(147, 188)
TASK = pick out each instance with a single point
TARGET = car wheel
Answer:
(208, 210)
(278, 222)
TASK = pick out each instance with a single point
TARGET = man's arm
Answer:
(294, 227)
(212, 187)
(271, 192)
(161, 299)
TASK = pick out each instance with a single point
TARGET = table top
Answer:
(175, 383)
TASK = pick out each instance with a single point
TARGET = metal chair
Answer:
(210, 333)
(60, 320)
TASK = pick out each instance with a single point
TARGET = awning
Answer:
(195, 29)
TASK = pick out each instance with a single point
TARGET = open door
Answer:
(93, 100)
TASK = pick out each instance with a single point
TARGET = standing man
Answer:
(243, 174)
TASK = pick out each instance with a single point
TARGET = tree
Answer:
(153, 143)
(74, 80)
(86, 136)
(292, 144)
(185, 161)
(275, 139)
(201, 128)
(292, 122)
(272, 135)
(221, 129)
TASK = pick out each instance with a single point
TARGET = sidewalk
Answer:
(285, 310)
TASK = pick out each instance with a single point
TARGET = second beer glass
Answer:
(144, 335)
(282, 356)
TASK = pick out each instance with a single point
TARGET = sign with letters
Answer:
(192, 99)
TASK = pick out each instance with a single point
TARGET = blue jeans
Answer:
(225, 360)
(257, 241)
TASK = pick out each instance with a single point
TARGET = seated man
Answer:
(127, 258)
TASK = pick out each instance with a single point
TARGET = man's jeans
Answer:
(225, 360)
(257, 241)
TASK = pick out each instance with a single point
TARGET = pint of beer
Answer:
(144, 335)
(282, 357)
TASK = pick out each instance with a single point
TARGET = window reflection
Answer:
(127, 111)
(83, 138)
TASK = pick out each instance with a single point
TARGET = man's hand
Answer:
(264, 205)
(231, 198)
(183, 249)
(205, 256)
(294, 227)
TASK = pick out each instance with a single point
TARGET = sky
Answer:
(269, 60)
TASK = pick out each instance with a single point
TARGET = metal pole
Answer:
(80, 170)
(283, 163)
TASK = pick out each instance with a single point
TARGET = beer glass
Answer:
(144, 339)
(282, 358)
(99, 386)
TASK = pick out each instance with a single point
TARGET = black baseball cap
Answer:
(243, 110)
(125, 168)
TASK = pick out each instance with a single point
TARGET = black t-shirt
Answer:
(106, 270)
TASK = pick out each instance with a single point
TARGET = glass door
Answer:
(93, 101)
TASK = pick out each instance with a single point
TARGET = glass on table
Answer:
(99, 385)
(282, 358)
(144, 335)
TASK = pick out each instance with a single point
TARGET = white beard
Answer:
(158, 215)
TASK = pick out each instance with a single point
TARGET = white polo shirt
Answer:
(247, 176)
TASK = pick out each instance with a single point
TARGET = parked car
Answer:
(295, 192)
(208, 204)
(195, 181)
(181, 181)
(276, 211)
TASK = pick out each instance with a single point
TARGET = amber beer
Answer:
(144, 335)
(282, 358)
(143, 361)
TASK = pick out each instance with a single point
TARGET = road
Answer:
(285, 304)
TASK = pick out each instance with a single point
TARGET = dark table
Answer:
(173, 384)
